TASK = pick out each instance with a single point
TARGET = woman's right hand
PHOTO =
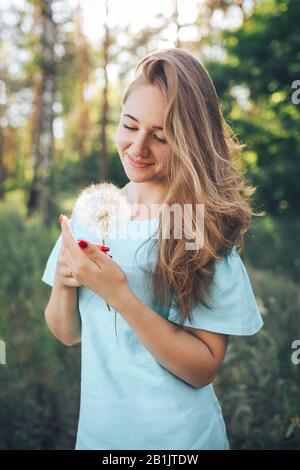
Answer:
(63, 273)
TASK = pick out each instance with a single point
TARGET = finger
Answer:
(68, 275)
(93, 252)
(63, 259)
(66, 269)
(72, 282)
(68, 236)
(72, 253)
(67, 272)
(67, 255)
(102, 247)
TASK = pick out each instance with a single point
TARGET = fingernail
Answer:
(60, 218)
(82, 244)
(104, 248)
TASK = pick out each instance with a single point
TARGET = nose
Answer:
(138, 147)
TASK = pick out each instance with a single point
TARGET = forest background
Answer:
(63, 68)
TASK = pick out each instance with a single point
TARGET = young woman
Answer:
(152, 388)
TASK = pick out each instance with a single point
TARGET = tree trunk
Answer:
(2, 167)
(2, 138)
(40, 197)
(104, 118)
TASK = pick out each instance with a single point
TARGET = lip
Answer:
(138, 165)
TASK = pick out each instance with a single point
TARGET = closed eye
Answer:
(155, 136)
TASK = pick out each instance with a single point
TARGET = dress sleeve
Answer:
(49, 272)
(234, 309)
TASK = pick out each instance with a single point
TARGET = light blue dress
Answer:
(129, 400)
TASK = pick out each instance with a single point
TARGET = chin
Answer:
(136, 178)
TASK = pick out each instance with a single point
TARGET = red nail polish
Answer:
(104, 248)
(60, 217)
(82, 244)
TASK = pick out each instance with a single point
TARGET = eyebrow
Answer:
(135, 119)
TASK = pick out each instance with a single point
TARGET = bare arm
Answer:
(61, 314)
(193, 355)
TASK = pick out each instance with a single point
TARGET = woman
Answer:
(152, 389)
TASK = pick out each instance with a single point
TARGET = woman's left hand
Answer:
(94, 269)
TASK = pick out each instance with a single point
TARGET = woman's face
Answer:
(138, 135)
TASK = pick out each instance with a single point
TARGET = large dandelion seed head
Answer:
(102, 209)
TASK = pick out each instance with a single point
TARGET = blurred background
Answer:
(63, 68)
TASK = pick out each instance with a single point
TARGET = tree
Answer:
(39, 196)
(104, 117)
(255, 84)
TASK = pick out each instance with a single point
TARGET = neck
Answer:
(146, 196)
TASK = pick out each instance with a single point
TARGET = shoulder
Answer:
(232, 307)
(230, 279)
(232, 296)
(227, 270)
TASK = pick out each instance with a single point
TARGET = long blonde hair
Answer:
(204, 167)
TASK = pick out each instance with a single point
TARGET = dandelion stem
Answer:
(116, 326)
(103, 243)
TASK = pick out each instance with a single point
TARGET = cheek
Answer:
(119, 148)
(162, 159)
(121, 140)
(161, 156)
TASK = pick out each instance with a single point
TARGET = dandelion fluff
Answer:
(102, 209)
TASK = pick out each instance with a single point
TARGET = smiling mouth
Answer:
(138, 165)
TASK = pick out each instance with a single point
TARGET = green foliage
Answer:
(274, 242)
(258, 384)
(263, 58)
(71, 176)
(39, 385)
